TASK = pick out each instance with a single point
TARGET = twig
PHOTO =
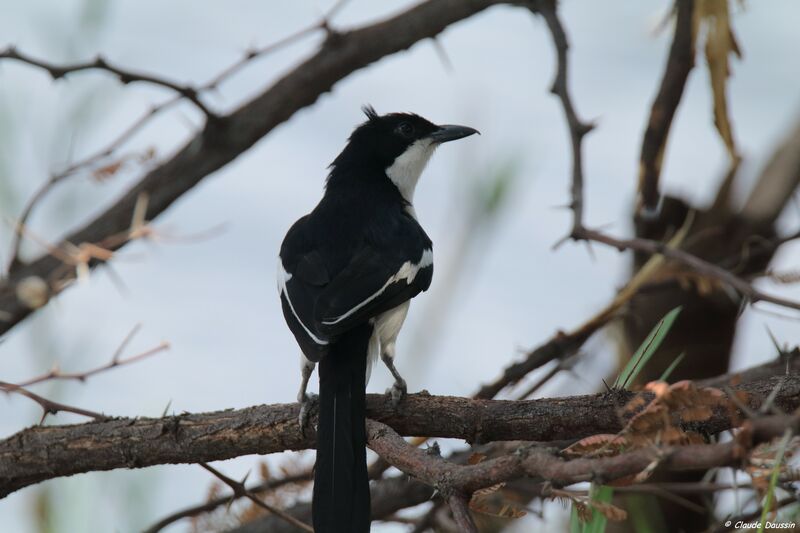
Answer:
(49, 407)
(239, 490)
(124, 76)
(137, 125)
(701, 266)
(211, 505)
(116, 361)
(577, 128)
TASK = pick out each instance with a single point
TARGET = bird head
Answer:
(399, 144)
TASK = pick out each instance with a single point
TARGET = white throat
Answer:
(408, 166)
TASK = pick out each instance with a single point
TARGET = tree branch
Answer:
(240, 490)
(226, 138)
(40, 453)
(679, 64)
(211, 505)
(747, 290)
(540, 463)
(388, 496)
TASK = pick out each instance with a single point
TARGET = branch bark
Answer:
(45, 452)
(539, 463)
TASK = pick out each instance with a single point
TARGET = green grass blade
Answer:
(598, 522)
(646, 350)
(773, 480)
(668, 372)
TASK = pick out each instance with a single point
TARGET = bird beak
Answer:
(451, 132)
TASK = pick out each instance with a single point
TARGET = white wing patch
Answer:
(283, 279)
(408, 166)
(408, 271)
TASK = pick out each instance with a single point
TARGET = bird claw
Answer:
(306, 406)
(398, 392)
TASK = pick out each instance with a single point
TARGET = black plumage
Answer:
(344, 268)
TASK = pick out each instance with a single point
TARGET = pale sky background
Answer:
(215, 300)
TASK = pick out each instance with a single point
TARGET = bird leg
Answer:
(306, 400)
(398, 390)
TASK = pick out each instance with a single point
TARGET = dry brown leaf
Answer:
(488, 490)
(720, 45)
(603, 444)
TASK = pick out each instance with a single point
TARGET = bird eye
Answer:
(405, 129)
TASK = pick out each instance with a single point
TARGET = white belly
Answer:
(388, 324)
(384, 335)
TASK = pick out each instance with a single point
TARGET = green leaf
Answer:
(646, 350)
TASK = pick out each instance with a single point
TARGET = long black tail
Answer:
(341, 487)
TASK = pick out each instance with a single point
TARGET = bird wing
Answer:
(373, 282)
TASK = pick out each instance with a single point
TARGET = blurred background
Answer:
(490, 204)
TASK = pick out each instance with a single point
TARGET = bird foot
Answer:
(397, 391)
(306, 406)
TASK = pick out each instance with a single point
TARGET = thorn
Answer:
(560, 242)
(589, 249)
(164, 412)
(774, 341)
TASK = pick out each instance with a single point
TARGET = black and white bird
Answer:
(346, 274)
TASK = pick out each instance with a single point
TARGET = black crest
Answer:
(370, 112)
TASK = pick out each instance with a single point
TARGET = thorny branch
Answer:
(100, 63)
(50, 407)
(544, 464)
(211, 505)
(226, 138)
(116, 361)
(124, 136)
(240, 490)
(577, 131)
(577, 128)
(40, 453)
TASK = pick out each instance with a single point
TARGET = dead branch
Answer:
(44, 452)
(777, 183)
(679, 64)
